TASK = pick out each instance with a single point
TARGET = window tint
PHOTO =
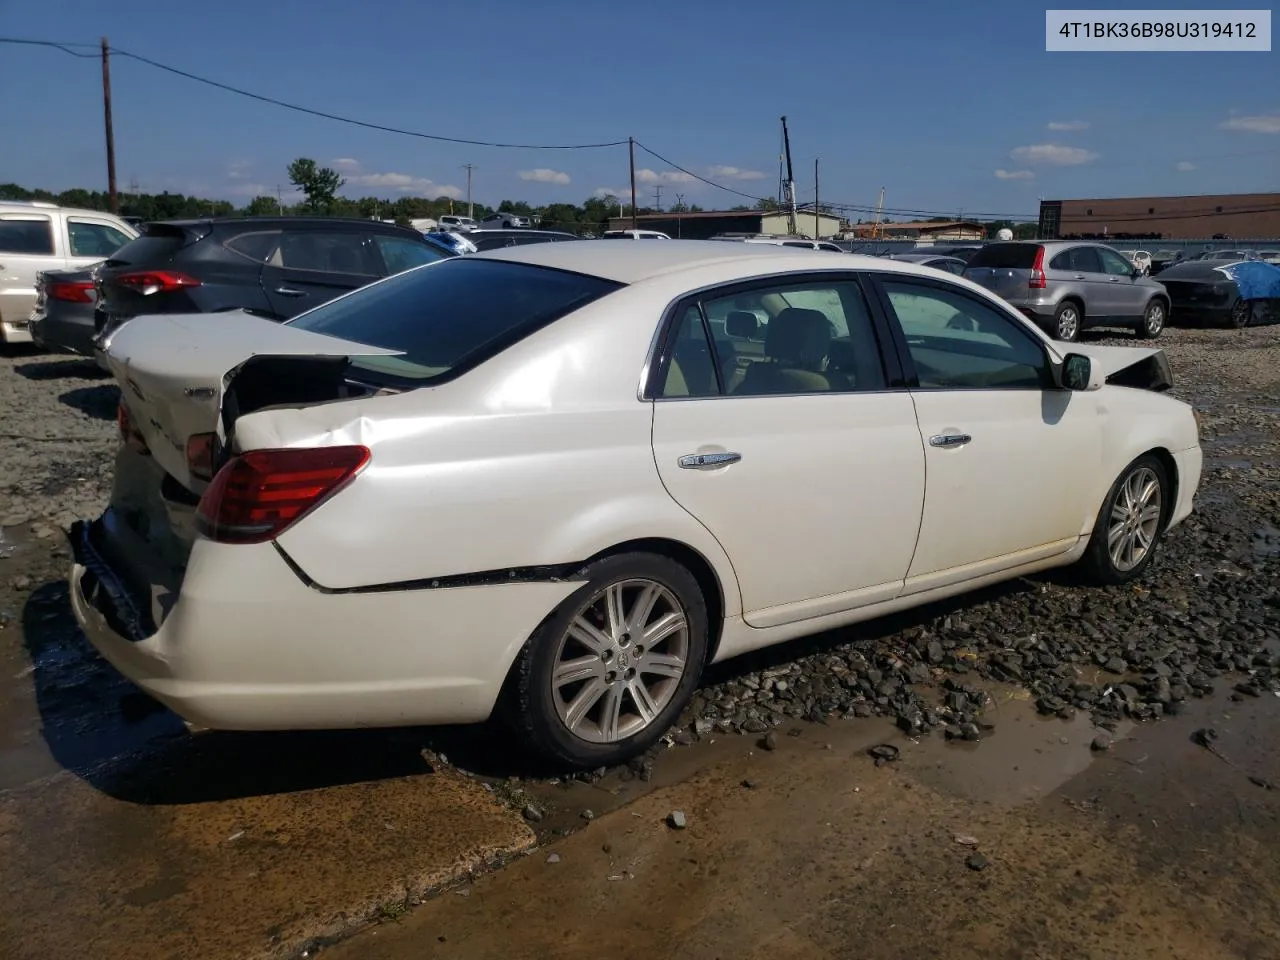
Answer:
(1062, 261)
(493, 243)
(958, 342)
(1085, 260)
(1017, 256)
(792, 339)
(691, 371)
(1114, 264)
(94, 239)
(34, 237)
(256, 246)
(451, 317)
(797, 243)
(337, 252)
(400, 254)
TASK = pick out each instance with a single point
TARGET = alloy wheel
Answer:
(1068, 324)
(1155, 319)
(620, 661)
(1135, 519)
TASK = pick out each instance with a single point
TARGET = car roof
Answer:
(633, 263)
(44, 207)
(305, 223)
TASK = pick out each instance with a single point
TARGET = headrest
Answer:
(799, 337)
(741, 323)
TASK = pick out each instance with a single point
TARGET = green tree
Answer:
(262, 207)
(320, 184)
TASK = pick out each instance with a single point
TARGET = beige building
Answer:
(706, 224)
(927, 230)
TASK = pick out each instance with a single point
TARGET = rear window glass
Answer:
(151, 250)
(26, 236)
(1017, 256)
(449, 316)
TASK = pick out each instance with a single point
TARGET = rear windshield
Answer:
(148, 250)
(449, 316)
(1018, 256)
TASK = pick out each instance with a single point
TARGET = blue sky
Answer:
(949, 106)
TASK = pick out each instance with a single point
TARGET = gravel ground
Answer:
(1206, 613)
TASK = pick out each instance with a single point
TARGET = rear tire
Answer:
(1066, 322)
(1153, 320)
(1240, 313)
(609, 671)
(1130, 524)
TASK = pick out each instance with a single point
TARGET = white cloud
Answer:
(1053, 154)
(1015, 175)
(646, 175)
(1185, 166)
(1068, 125)
(1257, 123)
(354, 173)
(733, 173)
(238, 169)
(346, 165)
(544, 175)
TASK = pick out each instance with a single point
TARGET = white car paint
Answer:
(547, 455)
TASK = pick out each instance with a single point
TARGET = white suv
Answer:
(455, 224)
(35, 237)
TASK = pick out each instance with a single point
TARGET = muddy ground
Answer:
(121, 835)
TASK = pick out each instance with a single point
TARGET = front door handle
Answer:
(949, 439)
(708, 461)
(290, 292)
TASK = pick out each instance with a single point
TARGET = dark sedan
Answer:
(63, 318)
(1222, 293)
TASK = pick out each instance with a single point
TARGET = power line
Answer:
(66, 48)
(710, 183)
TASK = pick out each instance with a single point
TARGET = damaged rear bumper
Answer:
(243, 644)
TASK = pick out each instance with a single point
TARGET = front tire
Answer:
(1130, 525)
(610, 670)
(1066, 322)
(1153, 320)
(1240, 313)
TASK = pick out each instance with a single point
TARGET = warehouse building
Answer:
(922, 230)
(1230, 216)
(706, 224)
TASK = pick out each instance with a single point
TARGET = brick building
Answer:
(1233, 216)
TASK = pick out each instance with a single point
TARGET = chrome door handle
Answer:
(1115, 279)
(290, 292)
(707, 461)
(949, 439)
(1080, 276)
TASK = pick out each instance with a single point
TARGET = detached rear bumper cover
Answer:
(245, 645)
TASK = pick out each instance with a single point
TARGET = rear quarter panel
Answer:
(542, 456)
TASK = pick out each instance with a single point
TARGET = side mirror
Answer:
(1081, 373)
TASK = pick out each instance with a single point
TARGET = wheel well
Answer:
(1162, 298)
(1170, 468)
(1076, 301)
(696, 564)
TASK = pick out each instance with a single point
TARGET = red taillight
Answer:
(129, 434)
(70, 292)
(148, 282)
(257, 495)
(1038, 281)
(202, 449)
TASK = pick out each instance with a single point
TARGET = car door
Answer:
(1084, 274)
(92, 241)
(806, 467)
(27, 247)
(311, 267)
(1127, 294)
(1008, 453)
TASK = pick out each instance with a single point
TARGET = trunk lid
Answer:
(174, 372)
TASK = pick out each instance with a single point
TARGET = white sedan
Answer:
(565, 477)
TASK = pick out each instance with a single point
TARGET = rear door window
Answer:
(90, 239)
(1016, 256)
(1085, 260)
(32, 236)
(452, 317)
(325, 252)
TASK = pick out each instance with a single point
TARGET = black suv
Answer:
(275, 267)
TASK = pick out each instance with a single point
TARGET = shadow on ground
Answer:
(78, 368)
(98, 402)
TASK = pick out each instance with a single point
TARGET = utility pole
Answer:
(657, 197)
(113, 200)
(469, 167)
(279, 200)
(817, 223)
(631, 146)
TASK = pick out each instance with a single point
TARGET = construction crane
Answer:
(875, 227)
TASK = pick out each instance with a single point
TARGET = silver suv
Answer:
(1065, 287)
(35, 237)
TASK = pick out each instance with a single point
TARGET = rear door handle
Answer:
(1080, 276)
(949, 439)
(708, 461)
(290, 292)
